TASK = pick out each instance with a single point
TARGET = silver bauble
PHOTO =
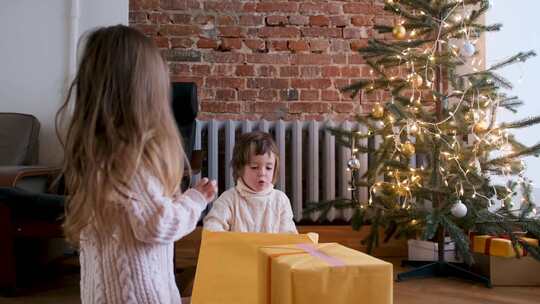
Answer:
(353, 164)
(379, 124)
(459, 209)
(468, 49)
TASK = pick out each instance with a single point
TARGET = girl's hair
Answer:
(258, 143)
(121, 127)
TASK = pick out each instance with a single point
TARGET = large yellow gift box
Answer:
(227, 269)
(499, 246)
(322, 274)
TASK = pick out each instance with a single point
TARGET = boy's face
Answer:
(259, 171)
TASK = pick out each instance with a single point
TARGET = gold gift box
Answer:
(227, 270)
(497, 246)
(323, 273)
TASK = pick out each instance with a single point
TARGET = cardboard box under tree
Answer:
(429, 251)
(502, 271)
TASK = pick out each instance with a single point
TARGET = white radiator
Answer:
(312, 166)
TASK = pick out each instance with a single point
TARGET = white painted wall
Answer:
(102, 12)
(520, 32)
(34, 54)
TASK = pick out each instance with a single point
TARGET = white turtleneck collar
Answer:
(248, 193)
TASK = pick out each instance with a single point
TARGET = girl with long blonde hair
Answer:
(123, 165)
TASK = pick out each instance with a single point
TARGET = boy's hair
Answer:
(258, 143)
(121, 128)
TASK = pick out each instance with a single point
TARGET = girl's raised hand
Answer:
(208, 188)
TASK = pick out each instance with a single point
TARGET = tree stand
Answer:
(440, 268)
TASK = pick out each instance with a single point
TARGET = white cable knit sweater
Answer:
(135, 263)
(241, 209)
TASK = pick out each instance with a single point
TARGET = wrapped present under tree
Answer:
(501, 246)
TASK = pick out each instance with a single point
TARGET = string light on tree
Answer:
(457, 18)
(402, 191)
(472, 116)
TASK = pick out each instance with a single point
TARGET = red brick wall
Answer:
(265, 59)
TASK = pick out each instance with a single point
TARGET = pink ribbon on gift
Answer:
(313, 251)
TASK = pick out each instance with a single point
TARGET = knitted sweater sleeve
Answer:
(286, 222)
(156, 218)
(220, 215)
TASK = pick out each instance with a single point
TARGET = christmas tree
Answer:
(438, 144)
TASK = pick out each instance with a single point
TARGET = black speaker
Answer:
(185, 107)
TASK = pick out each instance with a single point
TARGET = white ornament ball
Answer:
(353, 164)
(379, 124)
(459, 209)
(468, 49)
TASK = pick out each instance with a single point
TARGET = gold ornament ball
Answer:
(408, 149)
(416, 80)
(377, 111)
(469, 116)
(399, 31)
(480, 127)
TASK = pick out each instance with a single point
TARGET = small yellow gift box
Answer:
(322, 273)
(499, 246)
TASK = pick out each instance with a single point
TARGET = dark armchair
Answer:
(28, 210)
(19, 139)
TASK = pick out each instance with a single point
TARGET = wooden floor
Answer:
(62, 288)
(453, 290)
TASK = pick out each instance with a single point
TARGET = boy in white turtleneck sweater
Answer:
(253, 205)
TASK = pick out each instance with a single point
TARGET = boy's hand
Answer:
(207, 188)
